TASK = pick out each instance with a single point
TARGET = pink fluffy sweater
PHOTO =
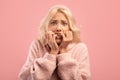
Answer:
(40, 65)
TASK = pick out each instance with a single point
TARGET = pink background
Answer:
(99, 21)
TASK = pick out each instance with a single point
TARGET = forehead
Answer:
(59, 16)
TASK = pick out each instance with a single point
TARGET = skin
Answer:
(59, 34)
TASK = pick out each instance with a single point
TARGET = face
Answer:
(58, 24)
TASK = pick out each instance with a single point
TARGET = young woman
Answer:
(58, 53)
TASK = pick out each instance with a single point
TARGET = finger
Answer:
(50, 42)
(47, 47)
(54, 37)
(50, 36)
(50, 32)
(70, 35)
(63, 35)
(54, 41)
(67, 34)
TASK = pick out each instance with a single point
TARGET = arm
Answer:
(37, 66)
(76, 68)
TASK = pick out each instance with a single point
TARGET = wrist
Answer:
(63, 51)
(54, 52)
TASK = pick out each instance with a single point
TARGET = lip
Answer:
(58, 33)
(59, 36)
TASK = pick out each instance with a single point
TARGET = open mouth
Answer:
(59, 36)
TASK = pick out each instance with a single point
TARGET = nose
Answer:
(58, 28)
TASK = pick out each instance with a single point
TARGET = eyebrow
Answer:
(53, 20)
(64, 21)
(57, 20)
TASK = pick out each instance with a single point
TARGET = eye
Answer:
(53, 23)
(64, 23)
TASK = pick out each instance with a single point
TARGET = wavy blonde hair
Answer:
(45, 22)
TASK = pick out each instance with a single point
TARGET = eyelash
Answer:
(64, 23)
(55, 23)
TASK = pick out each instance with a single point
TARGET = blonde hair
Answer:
(45, 22)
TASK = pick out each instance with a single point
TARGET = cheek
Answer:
(66, 28)
(51, 28)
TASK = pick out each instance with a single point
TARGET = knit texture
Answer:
(40, 65)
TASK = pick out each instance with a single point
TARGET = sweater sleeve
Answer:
(38, 64)
(76, 68)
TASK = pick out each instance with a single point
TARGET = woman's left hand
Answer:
(67, 38)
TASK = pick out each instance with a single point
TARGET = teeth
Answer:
(58, 36)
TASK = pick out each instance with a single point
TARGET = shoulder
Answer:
(36, 43)
(77, 46)
(36, 48)
(81, 49)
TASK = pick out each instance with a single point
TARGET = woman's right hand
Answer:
(51, 46)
